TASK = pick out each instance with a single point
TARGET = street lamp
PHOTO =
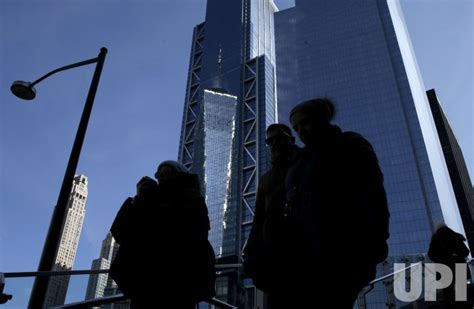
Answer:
(26, 91)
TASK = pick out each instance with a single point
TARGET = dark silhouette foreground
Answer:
(447, 247)
(165, 259)
(337, 210)
(269, 245)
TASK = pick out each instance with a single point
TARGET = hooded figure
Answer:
(166, 224)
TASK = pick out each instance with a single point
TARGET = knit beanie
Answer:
(178, 167)
(320, 109)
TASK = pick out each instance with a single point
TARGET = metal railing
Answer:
(120, 297)
(54, 273)
(369, 287)
(94, 302)
(84, 272)
(102, 300)
(212, 301)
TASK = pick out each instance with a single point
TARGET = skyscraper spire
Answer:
(218, 79)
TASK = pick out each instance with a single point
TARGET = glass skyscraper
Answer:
(230, 100)
(214, 164)
(99, 282)
(359, 54)
(356, 52)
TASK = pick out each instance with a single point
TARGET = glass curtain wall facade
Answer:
(213, 162)
(232, 53)
(358, 53)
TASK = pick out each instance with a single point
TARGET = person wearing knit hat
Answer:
(337, 203)
(178, 167)
(322, 108)
(171, 216)
(311, 119)
(168, 170)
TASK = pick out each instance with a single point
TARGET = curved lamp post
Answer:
(25, 90)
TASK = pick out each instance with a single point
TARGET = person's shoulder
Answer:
(353, 138)
(193, 194)
(266, 178)
(127, 206)
(298, 152)
(302, 154)
(188, 180)
(448, 233)
(354, 142)
(128, 202)
(190, 188)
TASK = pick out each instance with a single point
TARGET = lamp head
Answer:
(23, 90)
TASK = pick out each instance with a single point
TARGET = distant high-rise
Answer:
(230, 100)
(359, 54)
(456, 166)
(58, 285)
(110, 290)
(97, 283)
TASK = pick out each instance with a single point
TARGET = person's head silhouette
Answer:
(311, 119)
(280, 141)
(168, 170)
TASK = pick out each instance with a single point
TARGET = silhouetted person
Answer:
(447, 247)
(338, 204)
(266, 251)
(165, 259)
(3, 297)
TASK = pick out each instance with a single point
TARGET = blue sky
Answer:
(136, 119)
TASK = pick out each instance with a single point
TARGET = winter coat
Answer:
(164, 251)
(268, 240)
(338, 205)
